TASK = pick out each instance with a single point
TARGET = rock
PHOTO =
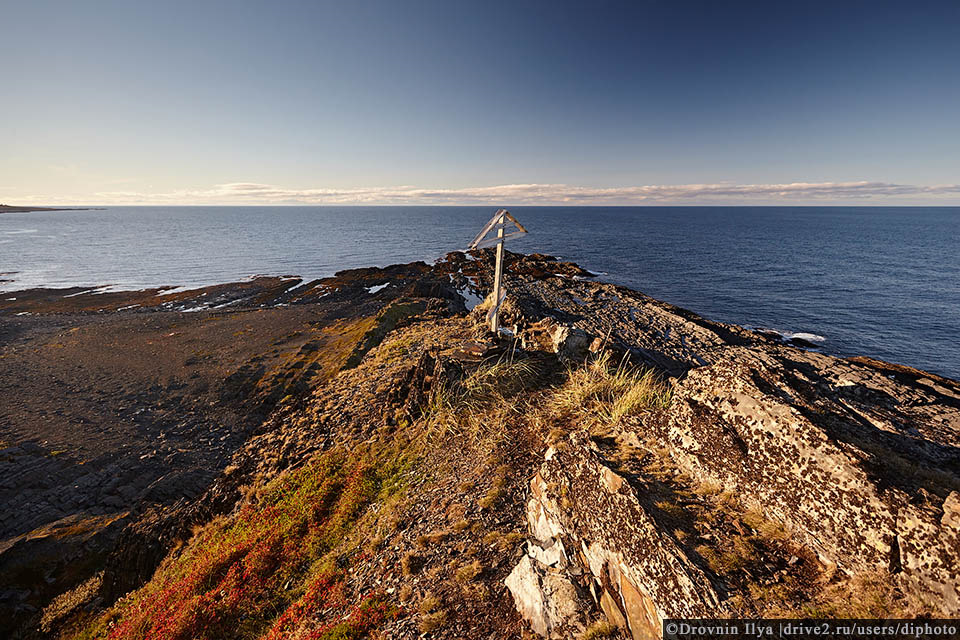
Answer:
(550, 556)
(539, 335)
(951, 511)
(547, 600)
(127, 492)
(582, 509)
(113, 501)
(571, 343)
(832, 451)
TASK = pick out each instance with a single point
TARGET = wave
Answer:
(787, 336)
(801, 335)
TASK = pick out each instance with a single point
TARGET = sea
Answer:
(877, 281)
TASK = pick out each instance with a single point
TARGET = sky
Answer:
(452, 102)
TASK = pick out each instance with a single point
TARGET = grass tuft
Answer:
(600, 630)
(433, 621)
(601, 390)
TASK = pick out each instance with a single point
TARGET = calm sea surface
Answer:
(883, 282)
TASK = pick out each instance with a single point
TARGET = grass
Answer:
(429, 603)
(480, 408)
(491, 497)
(431, 539)
(600, 630)
(432, 621)
(462, 525)
(469, 572)
(601, 390)
(502, 540)
(865, 595)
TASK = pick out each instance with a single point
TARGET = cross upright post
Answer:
(499, 221)
(497, 277)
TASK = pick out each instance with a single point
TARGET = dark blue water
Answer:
(883, 282)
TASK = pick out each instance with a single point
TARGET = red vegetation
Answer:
(235, 576)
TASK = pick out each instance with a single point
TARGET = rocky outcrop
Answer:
(862, 467)
(654, 333)
(587, 523)
(858, 459)
(553, 605)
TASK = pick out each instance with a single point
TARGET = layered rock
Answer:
(835, 450)
(587, 523)
(857, 458)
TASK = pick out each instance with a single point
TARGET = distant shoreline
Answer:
(6, 208)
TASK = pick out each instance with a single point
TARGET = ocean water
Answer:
(877, 281)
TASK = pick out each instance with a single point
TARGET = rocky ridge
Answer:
(773, 478)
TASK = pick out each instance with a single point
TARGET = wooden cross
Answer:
(499, 221)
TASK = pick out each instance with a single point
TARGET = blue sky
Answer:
(481, 102)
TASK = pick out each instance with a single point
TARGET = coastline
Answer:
(6, 208)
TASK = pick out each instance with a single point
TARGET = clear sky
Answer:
(197, 102)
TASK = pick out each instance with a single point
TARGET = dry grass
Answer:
(600, 390)
(492, 538)
(600, 630)
(433, 621)
(865, 595)
(490, 499)
(480, 409)
(430, 603)
(502, 540)
(431, 539)
(468, 573)
(508, 310)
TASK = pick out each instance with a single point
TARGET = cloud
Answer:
(253, 193)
